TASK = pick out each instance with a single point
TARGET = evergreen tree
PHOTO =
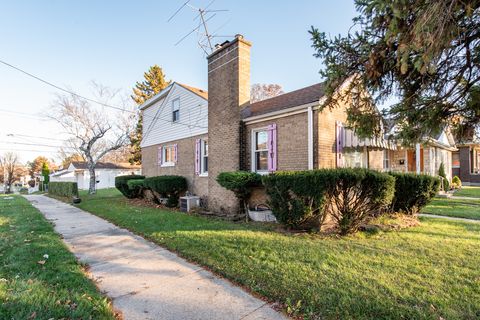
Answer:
(426, 53)
(45, 174)
(154, 83)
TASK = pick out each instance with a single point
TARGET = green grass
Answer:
(459, 208)
(425, 272)
(473, 192)
(29, 290)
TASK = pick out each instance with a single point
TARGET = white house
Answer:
(105, 173)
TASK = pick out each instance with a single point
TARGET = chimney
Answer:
(228, 94)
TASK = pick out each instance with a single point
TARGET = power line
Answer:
(27, 136)
(36, 144)
(89, 99)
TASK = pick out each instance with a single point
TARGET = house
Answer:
(105, 173)
(466, 161)
(425, 157)
(197, 135)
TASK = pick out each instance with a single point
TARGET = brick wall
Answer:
(228, 93)
(465, 167)
(185, 165)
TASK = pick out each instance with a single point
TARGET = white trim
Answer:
(253, 150)
(279, 114)
(417, 158)
(310, 138)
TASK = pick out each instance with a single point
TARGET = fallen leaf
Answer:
(42, 262)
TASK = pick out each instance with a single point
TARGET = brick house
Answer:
(197, 135)
(466, 162)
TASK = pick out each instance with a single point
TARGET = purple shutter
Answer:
(160, 155)
(339, 143)
(272, 147)
(197, 156)
(175, 153)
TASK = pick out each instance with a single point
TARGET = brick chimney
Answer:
(228, 94)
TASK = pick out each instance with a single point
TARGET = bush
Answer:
(121, 183)
(63, 189)
(167, 187)
(456, 182)
(241, 183)
(306, 198)
(136, 187)
(413, 191)
(444, 180)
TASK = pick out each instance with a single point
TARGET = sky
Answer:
(72, 43)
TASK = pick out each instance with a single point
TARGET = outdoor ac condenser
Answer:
(189, 202)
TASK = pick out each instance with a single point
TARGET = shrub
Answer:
(444, 180)
(121, 183)
(167, 187)
(456, 182)
(305, 198)
(241, 183)
(354, 195)
(413, 191)
(63, 189)
(136, 187)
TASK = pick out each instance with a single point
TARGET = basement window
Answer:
(176, 110)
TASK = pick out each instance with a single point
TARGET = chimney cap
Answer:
(239, 36)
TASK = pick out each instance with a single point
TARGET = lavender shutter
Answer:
(197, 156)
(175, 153)
(272, 147)
(339, 142)
(160, 155)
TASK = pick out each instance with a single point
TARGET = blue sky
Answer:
(71, 43)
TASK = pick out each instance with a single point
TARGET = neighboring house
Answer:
(105, 173)
(187, 133)
(426, 157)
(466, 161)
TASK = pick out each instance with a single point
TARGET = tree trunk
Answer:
(92, 189)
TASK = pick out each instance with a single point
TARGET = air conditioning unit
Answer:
(188, 203)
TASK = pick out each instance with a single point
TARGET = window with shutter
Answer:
(168, 156)
(272, 147)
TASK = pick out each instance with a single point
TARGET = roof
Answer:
(295, 98)
(80, 165)
(200, 92)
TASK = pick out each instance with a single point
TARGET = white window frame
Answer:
(166, 163)
(203, 155)
(253, 150)
(175, 109)
(387, 162)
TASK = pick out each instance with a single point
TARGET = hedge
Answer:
(241, 183)
(302, 199)
(136, 187)
(121, 183)
(63, 189)
(167, 187)
(413, 191)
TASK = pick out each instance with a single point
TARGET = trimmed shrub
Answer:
(167, 187)
(456, 182)
(444, 181)
(241, 183)
(413, 191)
(136, 186)
(63, 189)
(121, 183)
(305, 198)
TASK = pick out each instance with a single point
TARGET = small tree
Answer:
(10, 166)
(45, 174)
(441, 173)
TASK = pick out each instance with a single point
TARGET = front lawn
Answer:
(39, 277)
(459, 208)
(425, 272)
(465, 191)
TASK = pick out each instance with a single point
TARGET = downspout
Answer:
(310, 138)
(418, 158)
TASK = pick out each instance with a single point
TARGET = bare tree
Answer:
(93, 131)
(10, 169)
(262, 91)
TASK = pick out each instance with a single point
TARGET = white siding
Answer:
(193, 118)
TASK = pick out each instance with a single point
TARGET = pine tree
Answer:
(154, 83)
(45, 174)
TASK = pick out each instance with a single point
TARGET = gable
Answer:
(158, 126)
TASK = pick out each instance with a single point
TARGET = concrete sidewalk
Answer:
(431, 215)
(144, 280)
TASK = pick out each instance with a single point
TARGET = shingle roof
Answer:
(202, 93)
(287, 100)
(101, 165)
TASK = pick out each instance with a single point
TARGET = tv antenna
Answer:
(203, 16)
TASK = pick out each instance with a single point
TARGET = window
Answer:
(260, 151)
(176, 110)
(204, 157)
(386, 159)
(168, 155)
(355, 159)
(456, 160)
